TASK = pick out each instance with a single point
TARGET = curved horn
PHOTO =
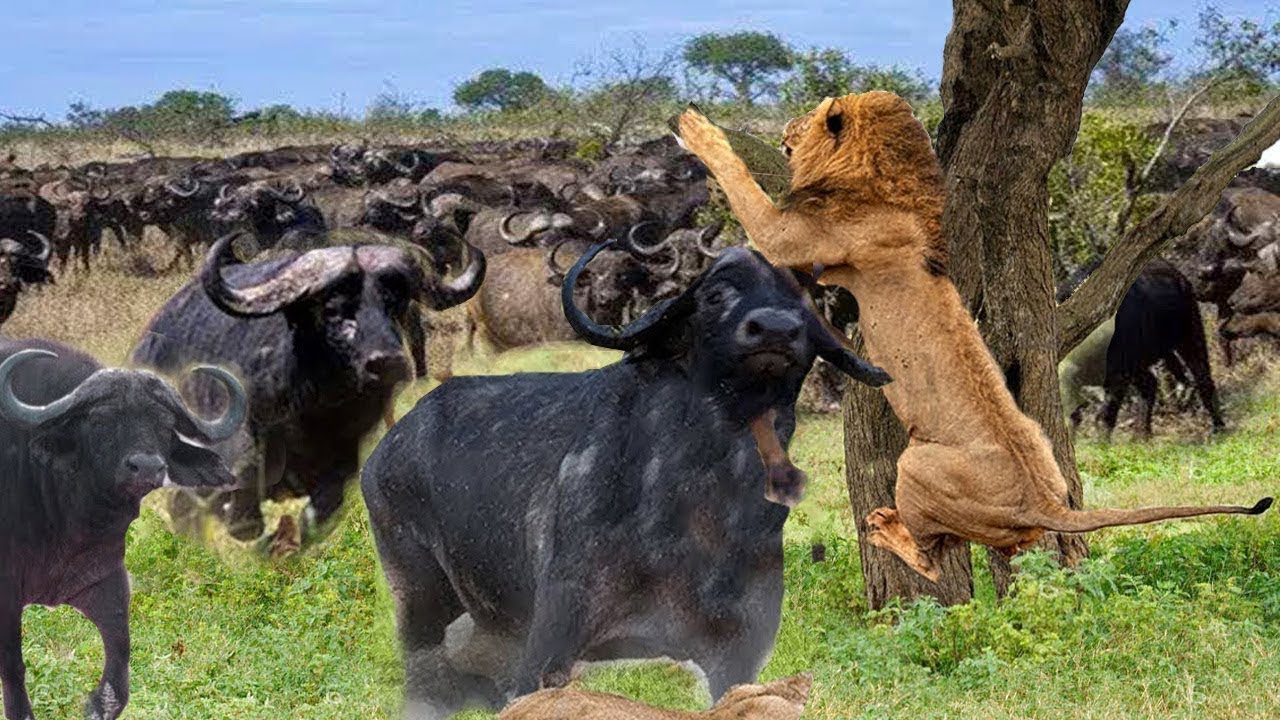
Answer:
(705, 237)
(237, 406)
(307, 274)
(552, 264)
(402, 203)
(537, 225)
(46, 247)
(634, 246)
(1239, 239)
(411, 168)
(442, 294)
(16, 410)
(448, 203)
(224, 193)
(294, 193)
(180, 191)
(626, 338)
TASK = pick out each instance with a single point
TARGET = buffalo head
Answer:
(128, 430)
(350, 303)
(747, 330)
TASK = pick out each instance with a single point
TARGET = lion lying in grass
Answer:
(866, 205)
(779, 700)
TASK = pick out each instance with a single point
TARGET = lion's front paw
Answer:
(696, 132)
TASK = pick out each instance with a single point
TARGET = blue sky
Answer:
(339, 55)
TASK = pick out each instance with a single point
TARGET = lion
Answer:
(865, 208)
(779, 700)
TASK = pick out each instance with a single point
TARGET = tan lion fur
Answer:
(780, 700)
(866, 204)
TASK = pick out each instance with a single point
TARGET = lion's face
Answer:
(857, 136)
(871, 149)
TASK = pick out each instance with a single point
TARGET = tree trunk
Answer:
(1013, 87)
(873, 441)
(1013, 90)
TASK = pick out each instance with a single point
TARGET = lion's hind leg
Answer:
(889, 532)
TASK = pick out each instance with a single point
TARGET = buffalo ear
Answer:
(831, 346)
(194, 466)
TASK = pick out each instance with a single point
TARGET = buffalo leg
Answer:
(1116, 390)
(13, 672)
(425, 606)
(325, 500)
(739, 657)
(1196, 357)
(241, 511)
(1145, 382)
(556, 637)
(107, 605)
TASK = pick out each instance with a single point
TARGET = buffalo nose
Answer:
(766, 326)
(145, 467)
(386, 366)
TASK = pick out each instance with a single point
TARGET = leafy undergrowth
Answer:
(1180, 620)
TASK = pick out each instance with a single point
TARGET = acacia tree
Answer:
(746, 60)
(1013, 86)
(500, 89)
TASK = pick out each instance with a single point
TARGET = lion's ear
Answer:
(835, 118)
(835, 123)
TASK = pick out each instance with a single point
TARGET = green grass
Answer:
(1178, 620)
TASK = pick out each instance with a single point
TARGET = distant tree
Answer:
(909, 85)
(745, 60)
(1243, 52)
(830, 72)
(629, 88)
(1131, 66)
(500, 89)
(819, 74)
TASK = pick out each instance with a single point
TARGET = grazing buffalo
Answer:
(268, 209)
(319, 338)
(615, 513)
(80, 446)
(22, 262)
(1158, 320)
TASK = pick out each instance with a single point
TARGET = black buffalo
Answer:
(79, 448)
(607, 514)
(319, 338)
(1158, 320)
(22, 262)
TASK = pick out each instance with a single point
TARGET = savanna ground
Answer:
(1173, 621)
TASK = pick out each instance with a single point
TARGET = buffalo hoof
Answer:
(785, 484)
(313, 530)
(246, 530)
(104, 704)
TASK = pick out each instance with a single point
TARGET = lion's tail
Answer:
(1075, 521)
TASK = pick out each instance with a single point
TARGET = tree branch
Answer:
(1173, 124)
(1100, 294)
(27, 119)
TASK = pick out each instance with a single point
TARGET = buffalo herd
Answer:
(524, 522)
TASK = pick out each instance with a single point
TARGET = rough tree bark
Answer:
(1014, 77)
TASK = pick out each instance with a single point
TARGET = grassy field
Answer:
(1173, 621)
